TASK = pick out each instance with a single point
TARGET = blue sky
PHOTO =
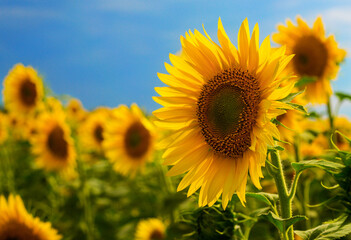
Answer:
(108, 52)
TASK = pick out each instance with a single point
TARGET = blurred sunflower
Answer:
(53, 144)
(343, 125)
(219, 103)
(316, 56)
(91, 132)
(150, 229)
(17, 223)
(129, 139)
(75, 111)
(3, 128)
(23, 90)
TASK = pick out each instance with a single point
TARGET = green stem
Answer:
(284, 198)
(294, 185)
(331, 118)
(85, 199)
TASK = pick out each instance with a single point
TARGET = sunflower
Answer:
(3, 128)
(52, 143)
(317, 57)
(219, 104)
(23, 90)
(343, 125)
(129, 139)
(17, 223)
(150, 229)
(91, 132)
(75, 111)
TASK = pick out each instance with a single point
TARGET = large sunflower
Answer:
(23, 90)
(150, 229)
(17, 223)
(129, 139)
(52, 143)
(219, 105)
(316, 56)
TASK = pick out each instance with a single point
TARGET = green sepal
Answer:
(305, 80)
(291, 96)
(298, 107)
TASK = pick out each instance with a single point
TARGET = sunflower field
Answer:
(246, 144)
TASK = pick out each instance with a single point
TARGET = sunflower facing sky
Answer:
(219, 105)
(52, 144)
(17, 224)
(150, 229)
(23, 90)
(317, 56)
(129, 139)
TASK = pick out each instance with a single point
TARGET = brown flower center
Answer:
(311, 56)
(57, 143)
(14, 230)
(137, 140)
(227, 109)
(98, 133)
(28, 93)
(157, 235)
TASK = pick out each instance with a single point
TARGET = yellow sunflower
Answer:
(17, 223)
(3, 128)
(23, 90)
(316, 56)
(150, 229)
(75, 111)
(343, 125)
(129, 140)
(219, 104)
(52, 143)
(91, 132)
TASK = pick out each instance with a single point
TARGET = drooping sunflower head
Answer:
(17, 224)
(219, 104)
(317, 56)
(23, 90)
(129, 139)
(52, 143)
(91, 132)
(150, 229)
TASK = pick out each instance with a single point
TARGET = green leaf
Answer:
(298, 107)
(342, 96)
(279, 222)
(304, 81)
(335, 229)
(276, 148)
(328, 166)
(267, 198)
(291, 96)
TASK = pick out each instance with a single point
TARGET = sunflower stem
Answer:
(85, 199)
(331, 118)
(284, 198)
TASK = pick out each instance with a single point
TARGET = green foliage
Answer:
(335, 229)
(343, 96)
(331, 167)
(279, 222)
(304, 81)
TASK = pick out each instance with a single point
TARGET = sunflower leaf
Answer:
(291, 96)
(298, 107)
(305, 80)
(280, 222)
(328, 166)
(342, 96)
(334, 229)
